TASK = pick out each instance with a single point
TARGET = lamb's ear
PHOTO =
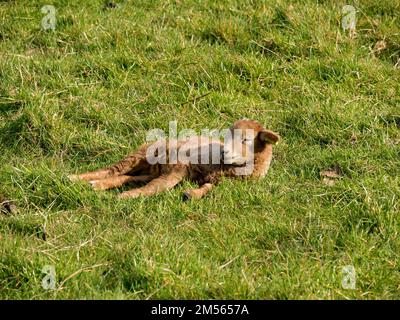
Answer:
(268, 136)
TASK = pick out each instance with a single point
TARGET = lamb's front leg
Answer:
(197, 193)
(157, 185)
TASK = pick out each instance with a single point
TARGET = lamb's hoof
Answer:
(122, 196)
(73, 177)
(97, 185)
(186, 196)
(128, 195)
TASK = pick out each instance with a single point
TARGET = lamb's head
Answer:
(246, 141)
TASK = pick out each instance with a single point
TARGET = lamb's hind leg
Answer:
(115, 182)
(129, 163)
(157, 185)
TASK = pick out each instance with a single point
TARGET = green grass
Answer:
(84, 95)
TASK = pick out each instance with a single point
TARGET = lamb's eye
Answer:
(247, 141)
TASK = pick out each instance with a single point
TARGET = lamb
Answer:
(246, 152)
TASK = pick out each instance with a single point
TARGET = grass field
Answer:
(84, 95)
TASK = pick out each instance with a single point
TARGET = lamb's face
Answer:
(244, 140)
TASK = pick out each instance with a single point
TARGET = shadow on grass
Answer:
(10, 107)
(24, 229)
